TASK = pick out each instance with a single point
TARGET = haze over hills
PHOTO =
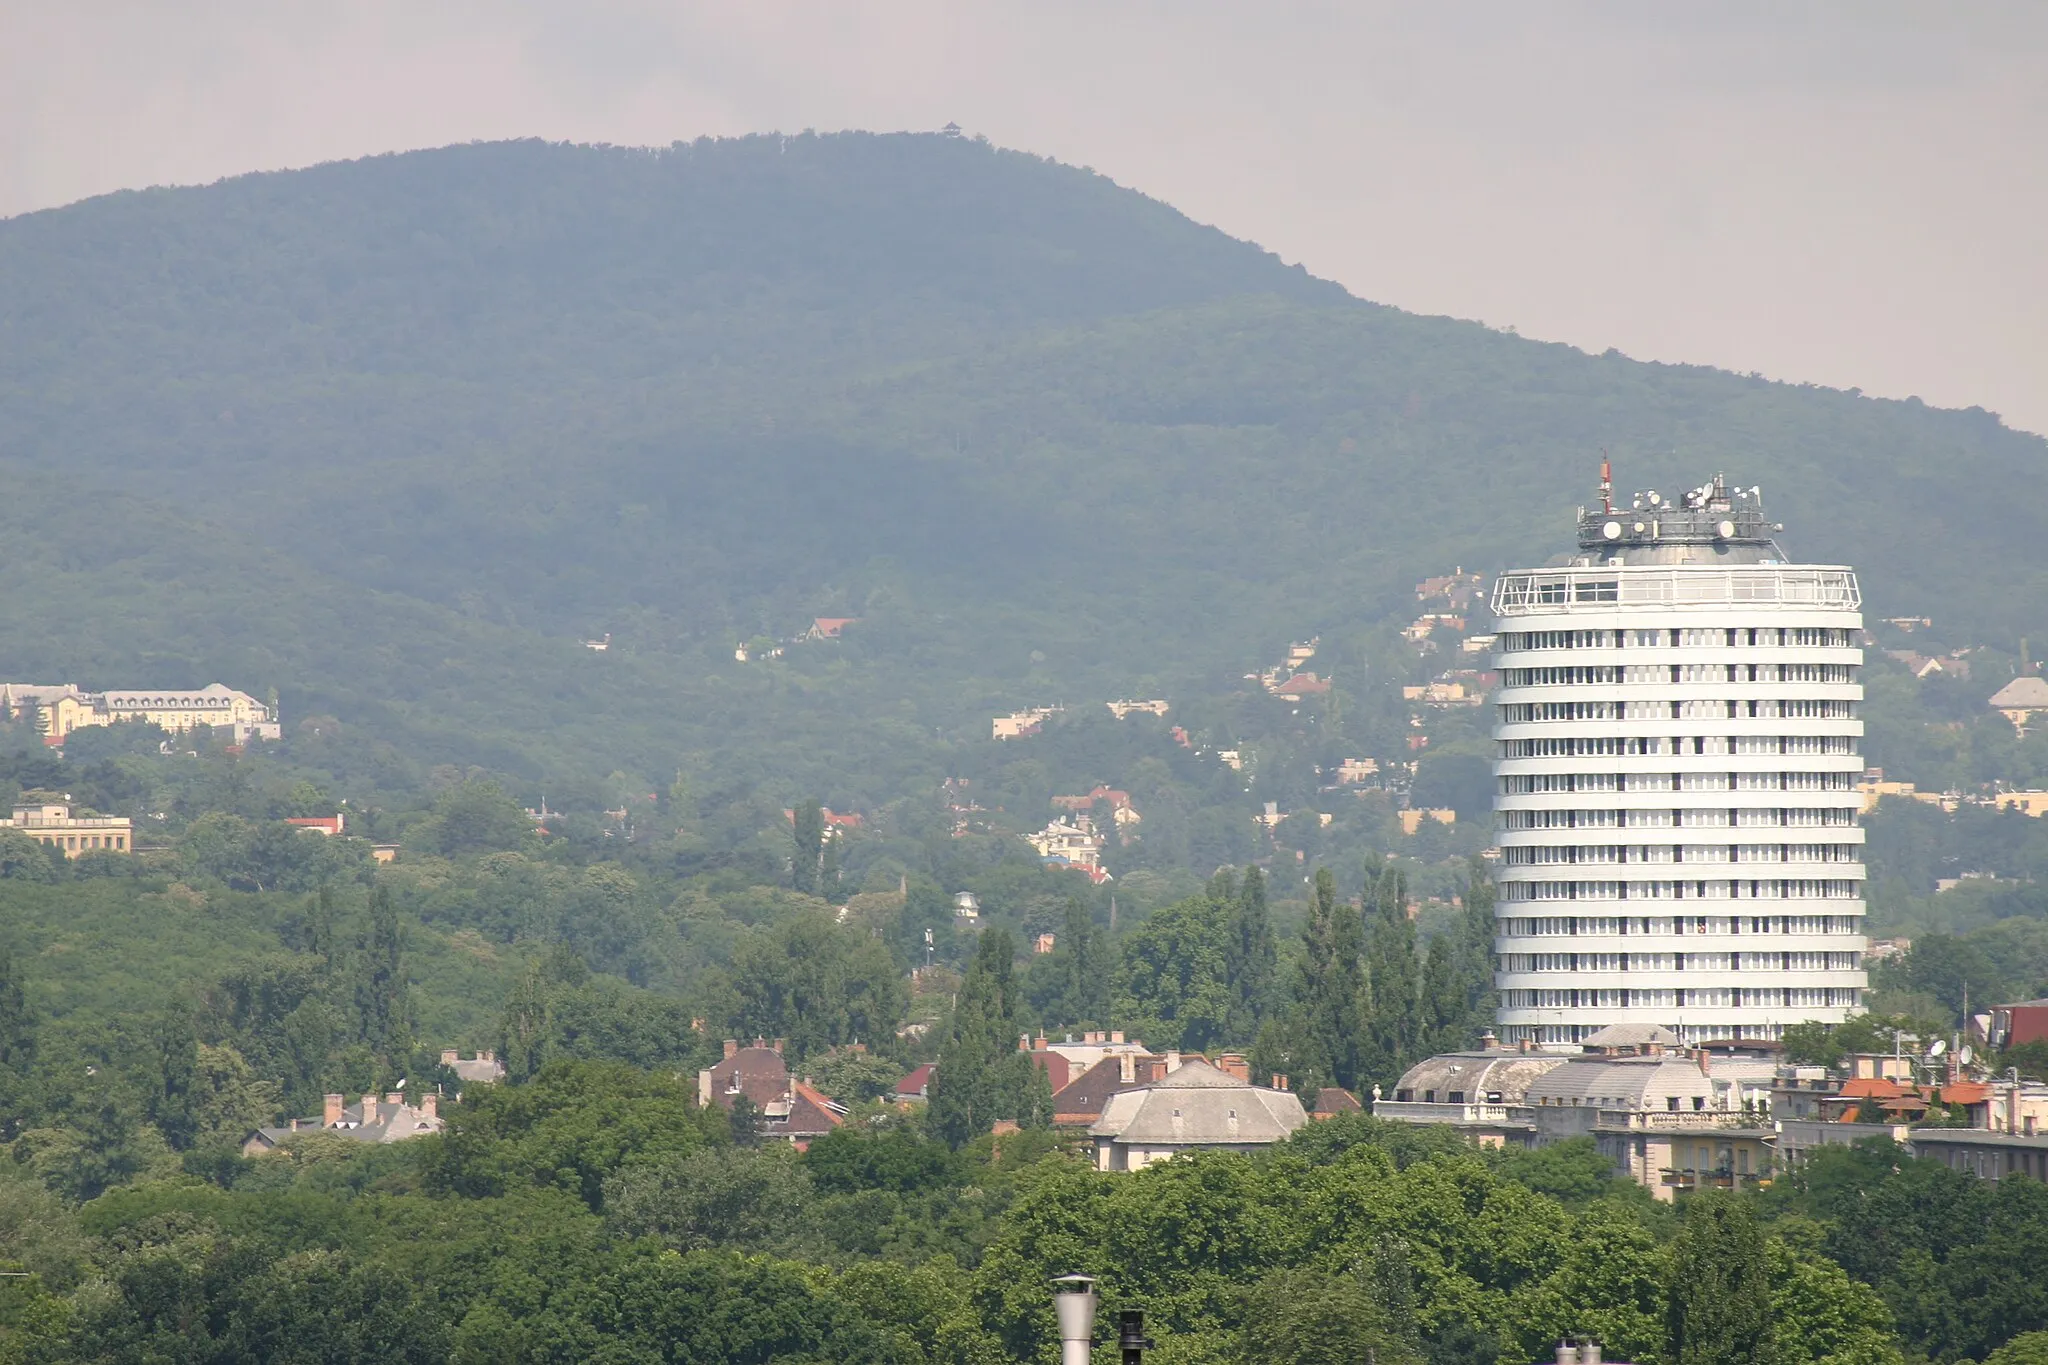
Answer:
(390, 436)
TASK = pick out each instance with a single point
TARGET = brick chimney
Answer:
(394, 1097)
(330, 1112)
(1116, 1035)
(1279, 1080)
(449, 1056)
(780, 1043)
(1234, 1064)
(488, 1056)
(430, 1105)
(732, 1047)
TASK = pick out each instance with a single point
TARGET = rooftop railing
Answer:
(1607, 588)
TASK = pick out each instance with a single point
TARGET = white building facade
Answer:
(1677, 752)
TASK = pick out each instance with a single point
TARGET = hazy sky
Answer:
(1854, 194)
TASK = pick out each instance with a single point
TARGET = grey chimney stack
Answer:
(1073, 1299)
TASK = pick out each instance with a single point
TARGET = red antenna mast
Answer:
(1606, 484)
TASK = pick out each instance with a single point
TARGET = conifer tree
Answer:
(981, 1075)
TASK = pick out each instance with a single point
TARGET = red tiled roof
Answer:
(1301, 685)
(811, 1114)
(1965, 1092)
(1870, 1088)
(1081, 1100)
(918, 1081)
(1333, 1100)
(759, 1073)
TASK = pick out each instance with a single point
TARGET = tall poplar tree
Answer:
(382, 992)
(1327, 1033)
(1254, 958)
(981, 1075)
(807, 853)
(1392, 977)
(17, 1045)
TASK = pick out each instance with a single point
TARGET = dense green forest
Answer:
(595, 1212)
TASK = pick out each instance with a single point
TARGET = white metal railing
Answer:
(1605, 589)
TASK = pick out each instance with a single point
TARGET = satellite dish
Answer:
(1967, 1055)
(1612, 530)
(1639, 528)
(1725, 529)
(1940, 1046)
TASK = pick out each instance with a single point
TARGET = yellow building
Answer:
(214, 704)
(65, 708)
(2030, 803)
(52, 822)
(1411, 820)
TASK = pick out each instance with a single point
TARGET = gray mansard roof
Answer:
(1477, 1076)
(1199, 1106)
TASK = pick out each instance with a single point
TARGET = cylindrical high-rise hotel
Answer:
(1676, 767)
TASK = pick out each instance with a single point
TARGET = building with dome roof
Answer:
(1196, 1107)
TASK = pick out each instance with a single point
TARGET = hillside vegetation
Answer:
(390, 436)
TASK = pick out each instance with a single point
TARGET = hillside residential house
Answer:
(369, 1119)
(1457, 587)
(1156, 706)
(56, 824)
(64, 708)
(1412, 818)
(790, 1109)
(1020, 724)
(2013, 1025)
(829, 627)
(2020, 699)
(1074, 844)
(329, 825)
(1195, 1107)
(916, 1087)
(482, 1069)
(1299, 686)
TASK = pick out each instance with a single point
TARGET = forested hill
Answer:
(426, 420)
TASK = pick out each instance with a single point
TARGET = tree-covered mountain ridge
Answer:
(1045, 435)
